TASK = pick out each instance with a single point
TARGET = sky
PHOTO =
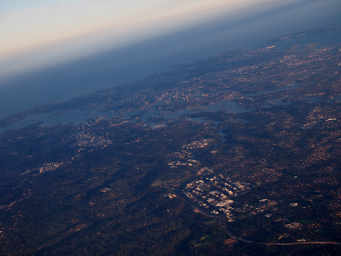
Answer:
(37, 32)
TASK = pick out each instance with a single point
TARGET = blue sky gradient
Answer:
(26, 25)
(38, 32)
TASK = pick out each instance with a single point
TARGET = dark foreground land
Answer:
(236, 155)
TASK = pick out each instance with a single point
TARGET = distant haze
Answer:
(174, 32)
(39, 33)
